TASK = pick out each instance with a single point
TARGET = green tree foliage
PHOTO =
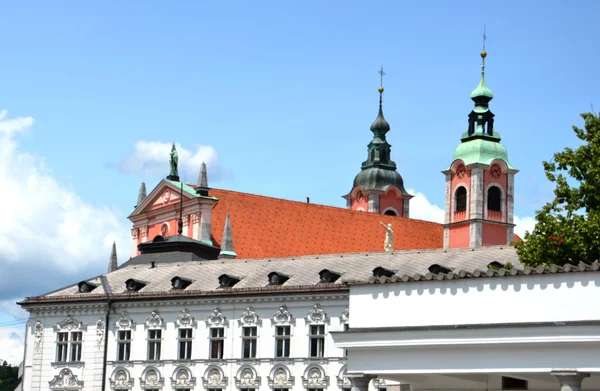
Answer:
(567, 229)
(9, 377)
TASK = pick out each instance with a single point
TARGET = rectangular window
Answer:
(346, 328)
(317, 340)
(123, 345)
(282, 341)
(154, 338)
(62, 345)
(185, 344)
(76, 340)
(249, 342)
(217, 335)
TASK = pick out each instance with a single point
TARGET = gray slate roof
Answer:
(303, 271)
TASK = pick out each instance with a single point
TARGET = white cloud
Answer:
(11, 340)
(152, 158)
(49, 236)
(526, 223)
(422, 209)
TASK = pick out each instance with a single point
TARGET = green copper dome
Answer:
(482, 151)
(482, 90)
(376, 178)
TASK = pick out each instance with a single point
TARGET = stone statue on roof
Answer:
(389, 236)
(174, 173)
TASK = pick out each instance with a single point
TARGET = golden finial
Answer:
(381, 89)
(483, 52)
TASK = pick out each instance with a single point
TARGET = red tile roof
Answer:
(265, 227)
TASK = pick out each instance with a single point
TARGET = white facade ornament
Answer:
(154, 321)
(186, 219)
(195, 218)
(182, 378)
(69, 324)
(151, 379)
(144, 231)
(343, 380)
(316, 315)
(247, 378)
(121, 380)
(280, 378)
(282, 316)
(389, 236)
(100, 328)
(213, 378)
(125, 322)
(216, 319)
(249, 317)
(314, 377)
(135, 233)
(345, 317)
(65, 381)
(185, 319)
(38, 333)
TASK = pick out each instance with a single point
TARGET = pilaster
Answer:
(447, 203)
(373, 203)
(185, 220)
(406, 207)
(510, 198)
(205, 223)
(196, 226)
(446, 237)
(135, 232)
(476, 234)
(476, 193)
(570, 380)
(144, 234)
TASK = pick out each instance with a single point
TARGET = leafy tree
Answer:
(9, 377)
(568, 228)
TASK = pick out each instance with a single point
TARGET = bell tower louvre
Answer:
(479, 207)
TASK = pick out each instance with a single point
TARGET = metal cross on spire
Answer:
(381, 73)
(484, 37)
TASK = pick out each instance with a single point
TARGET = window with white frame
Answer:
(282, 341)
(62, 346)
(185, 344)
(69, 339)
(154, 344)
(249, 340)
(317, 340)
(217, 340)
(76, 342)
(123, 345)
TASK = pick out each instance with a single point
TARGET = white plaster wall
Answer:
(533, 298)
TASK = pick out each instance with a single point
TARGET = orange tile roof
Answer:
(265, 227)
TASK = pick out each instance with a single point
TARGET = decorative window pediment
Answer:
(125, 322)
(249, 317)
(216, 319)
(152, 379)
(38, 335)
(65, 380)
(214, 378)
(185, 319)
(314, 377)
(317, 315)
(121, 379)
(379, 383)
(280, 377)
(342, 380)
(345, 317)
(70, 324)
(247, 378)
(282, 316)
(182, 378)
(154, 321)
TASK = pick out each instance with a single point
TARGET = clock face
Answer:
(461, 171)
(166, 196)
(164, 230)
(495, 171)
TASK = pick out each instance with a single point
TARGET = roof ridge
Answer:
(337, 208)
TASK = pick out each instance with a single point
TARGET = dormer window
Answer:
(437, 269)
(277, 278)
(134, 285)
(180, 282)
(328, 276)
(86, 287)
(495, 265)
(227, 281)
(381, 271)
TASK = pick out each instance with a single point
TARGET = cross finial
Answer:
(381, 73)
(484, 37)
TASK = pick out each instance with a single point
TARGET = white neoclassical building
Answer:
(505, 328)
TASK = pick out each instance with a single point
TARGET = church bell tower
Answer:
(378, 187)
(479, 207)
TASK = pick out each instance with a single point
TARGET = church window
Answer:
(154, 342)
(217, 337)
(383, 155)
(76, 340)
(372, 154)
(494, 198)
(390, 212)
(282, 341)
(460, 202)
(185, 344)
(62, 346)
(249, 339)
(123, 345)
(317, 340)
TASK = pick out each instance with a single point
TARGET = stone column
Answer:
(373, 203)
(476, 193)
(134, 241)
(446, 237)
(510, 198)
(185, 220)
(196, 226)
(448, 200)
(406, 207)
(360, 383)
(570, 380)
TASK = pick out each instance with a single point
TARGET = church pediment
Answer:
(165, 193)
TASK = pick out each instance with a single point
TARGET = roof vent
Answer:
(437, 269)
(277, 278)
(328, 276)
(134, 285)
(158, 238)
(180, 283)
(86, 287)
(227, 281)
(380, 271)
(495, 265)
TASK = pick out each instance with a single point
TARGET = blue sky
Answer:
(284, 93)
